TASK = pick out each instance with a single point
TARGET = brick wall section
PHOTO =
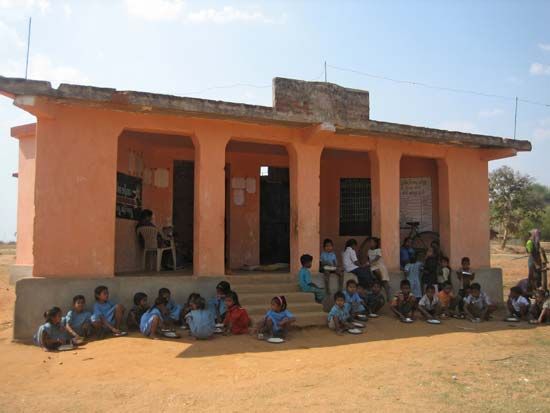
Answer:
(325, 102)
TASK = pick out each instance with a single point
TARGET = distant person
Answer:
(406, 252)
(304, 279)
(216, 304)
(413, 273)
(537, 258)
(377, 266)
(430, 268)
(429, 305)
(374, 300)
(444, 274)
(236, 319)
(107, 316)
(477, 305)
(403, 304)
(517, 304)
(352, 264)
(136, 312)
(465, 278)
(201, 321)
(339, 318)
(173, 310)
(78, 321)
(278, 319)
(153, 320)
(447, 300)
(540, 310)
(329, 265)
(52, 334)
(353, 300)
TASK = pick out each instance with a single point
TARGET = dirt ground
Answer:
(453, 367)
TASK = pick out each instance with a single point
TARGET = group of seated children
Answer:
(222, 314)
(520, 307)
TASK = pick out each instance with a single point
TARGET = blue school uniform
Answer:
(329, 258)
(304, 280)
(413, 272)
(52, 331)
(276, 318)
(174, 310)
(342, 314)
(354, 302)
(217, 306)
(201, 323)
(104, 311)
(147, 320)
(77, 320)
(405, 255)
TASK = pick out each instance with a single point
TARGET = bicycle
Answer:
(421, 241)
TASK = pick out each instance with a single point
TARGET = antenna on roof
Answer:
(516, 118)
(28, 48)
(325, 71)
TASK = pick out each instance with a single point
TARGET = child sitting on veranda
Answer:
(201, 321)
(172, 316)
(477, 305)
(374, 300)
(329, 265)
(277, 320)
(339, 318)
(517, 304)
(430, 269)
(216, 304)
(429, 305)
(236, 319)
(107, 315)
(353, 300)
(353, 265)
(403, 304)
(413, 272)
(377, 265)
(444, 274)
(52, 333)
(465, 278)
(153, 320)
(78, 322)
(447, 300)
(540, 310)
(136, 312)
(304, 279)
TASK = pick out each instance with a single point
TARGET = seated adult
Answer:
(146, 220)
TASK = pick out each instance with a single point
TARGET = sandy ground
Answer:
(454, 367)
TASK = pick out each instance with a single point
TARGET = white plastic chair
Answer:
(149, 235)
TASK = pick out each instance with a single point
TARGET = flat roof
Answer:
(356, 123)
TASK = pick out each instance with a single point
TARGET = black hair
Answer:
(465, 259)
(444, 258)
(405, 241)
(351, 242)
(281, 299)
(200, 302)
(51, 313)
(412, 258)
(405, 283)
(447, 283)
(192, 297)
(78, 297)
(376, 282)
(516, 290)
(350, 282)
(304, 259)
(475, 286)
(430, 287)
(234, 297)
(327, 241)
(163, 291)
(138, 297)
(159, 301)
(338, 295)
(224, 287)
(145, 214)
(377, 242)
(98, 290)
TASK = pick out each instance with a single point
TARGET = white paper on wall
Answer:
(238, 183)
(147, 176)
(161, 179)
(416, 202)
(251, 185)
(238, 197)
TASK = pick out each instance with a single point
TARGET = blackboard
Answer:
(128, 196)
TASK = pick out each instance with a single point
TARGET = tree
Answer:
(513, 198)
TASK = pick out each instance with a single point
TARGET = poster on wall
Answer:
(416, 202)
(128, 196)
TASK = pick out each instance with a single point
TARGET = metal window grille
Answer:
(355, 206)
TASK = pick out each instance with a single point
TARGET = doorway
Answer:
(182, 207)
(274, 215)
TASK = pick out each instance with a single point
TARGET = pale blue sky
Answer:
(178, 47)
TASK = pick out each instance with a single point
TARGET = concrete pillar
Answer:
(385, 176)
(305, 169)
(209, 210)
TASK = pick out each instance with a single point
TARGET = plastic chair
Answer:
(150, 238)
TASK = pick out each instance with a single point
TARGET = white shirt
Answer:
(349, 257)
(481, 302)
(518, 302)
(427, 304)
(373, 254)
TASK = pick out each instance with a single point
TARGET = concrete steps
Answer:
(295, 308)
(269, 289)
(249, 299)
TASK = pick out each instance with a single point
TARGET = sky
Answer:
(232, 50)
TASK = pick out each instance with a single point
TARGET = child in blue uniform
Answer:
(107, 315)
(77, 321)
(278, 319)
(217, 304)
(201, 321)
(153, 319)
(329, 265)
(353, 300)
(52, 333)
(413, 271)
(339, 318)
(173, 310)
(136, 312)
(304, 279)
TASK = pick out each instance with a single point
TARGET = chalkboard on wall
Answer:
(128, 196)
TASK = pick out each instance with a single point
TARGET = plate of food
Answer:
(434, 321)
(373, 315)
(330, 268)
(275, 340)
(355, 331)
(476, 320)
(218, 330)
(358, 324)
(66, 347)
(170, 334)
(407, 320)
(512, 319)
(361, 317)
(219, 325)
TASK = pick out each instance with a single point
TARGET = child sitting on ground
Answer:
(52, 333)
(277, 320)
(540, 310)
(377, 265)
(304, 279)
(136, 312)
(404, 303)
(413, 271)
(374, 300)
(444, 272)
(353, 301)
(107, 315)
(77, 321)
(187, 307)
(329, 265)
(173, 310)
(152, 321)
(447, 300)
(236, 319)
(217, 304)
(201, 321)
(477, 305)
(339, 318)
(518, 305)
(429, 305)
(465, 278)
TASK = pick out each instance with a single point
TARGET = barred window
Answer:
(355, 206)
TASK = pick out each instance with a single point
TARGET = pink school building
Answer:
(241, 185)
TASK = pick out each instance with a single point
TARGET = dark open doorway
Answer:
(274, 215)
(182, 207)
